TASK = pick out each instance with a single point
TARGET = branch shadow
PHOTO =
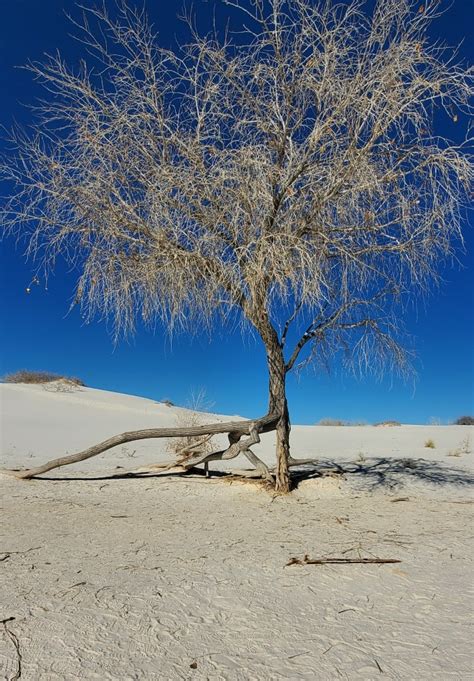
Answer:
(130, 475)
(381, 472)
(371, 474)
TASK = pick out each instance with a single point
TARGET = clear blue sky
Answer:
(37, 332)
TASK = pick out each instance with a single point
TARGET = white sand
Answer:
(121, 578)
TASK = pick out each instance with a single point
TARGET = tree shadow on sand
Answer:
(381, 472)
(370, 474)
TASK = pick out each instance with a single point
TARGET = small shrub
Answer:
(38, 377)
(183, 447)
(464, 421)
(128, 452)
(339, 422)
(387, 424)
(168, 403)
(454, 452)
(61, 385)
(198, 401)
(464, 448)
(430, 444)
(331, 422)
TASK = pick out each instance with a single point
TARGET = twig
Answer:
(14, 639)
(292, 657)
(5, 555)
(60, 594)
(306, 560)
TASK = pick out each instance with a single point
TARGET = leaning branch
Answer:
(236, 430)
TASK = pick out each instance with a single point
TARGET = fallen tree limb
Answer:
(306, 560)
(235, 430)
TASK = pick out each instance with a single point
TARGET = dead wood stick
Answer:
(14, 639)
(306, 560)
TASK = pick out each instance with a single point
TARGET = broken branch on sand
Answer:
(14, 639)
(306, 560)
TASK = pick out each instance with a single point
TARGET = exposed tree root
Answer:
(300, 462)
(260, 466)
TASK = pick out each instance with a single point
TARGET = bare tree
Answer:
(289, 174)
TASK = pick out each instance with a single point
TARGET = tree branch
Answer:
(236, 428)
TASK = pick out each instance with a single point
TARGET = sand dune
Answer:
(186, 578)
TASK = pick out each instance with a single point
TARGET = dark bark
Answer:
(278, 405)
(277, 370)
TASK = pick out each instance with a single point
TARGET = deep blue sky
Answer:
(37, 332)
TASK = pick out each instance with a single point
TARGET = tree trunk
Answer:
(278, 404)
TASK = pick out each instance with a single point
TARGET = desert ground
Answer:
(111, 575)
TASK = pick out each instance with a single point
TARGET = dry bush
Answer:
(430, 444)
(194, 415)
(387, 424)
(61, 385)
(339, 422)
(331, 422)
(464, 421)
(34, 377)
(463, 448)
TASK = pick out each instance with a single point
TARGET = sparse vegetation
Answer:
(61, 385)
(464, 448)
(339, 422)
(454, 452)
(34, 377)
(185, 446)
(168, 403)
(464, 421)
(387, 423)
(430, 444)
(128, 452)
